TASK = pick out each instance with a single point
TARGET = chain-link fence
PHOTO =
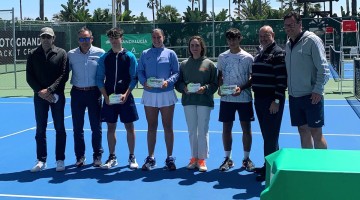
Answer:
(8, 69)
(176, 36)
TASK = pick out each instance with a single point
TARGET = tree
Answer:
(353, 8)
(73, 12)
(221, 16)
(204, 5)
(238, 10)
(153, 4)
(118, 8)
(192, 4)
(168, 14)
(41, 9)
(194, 15)
(343, 13)
(141, 18)
(250, 10)
(101, 15)
(82, 2)
(126, 16)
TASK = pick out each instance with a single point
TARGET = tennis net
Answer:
(357, 78)
(335, 62)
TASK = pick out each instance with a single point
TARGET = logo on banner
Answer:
(136, 43)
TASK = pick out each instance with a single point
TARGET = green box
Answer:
(312, 174)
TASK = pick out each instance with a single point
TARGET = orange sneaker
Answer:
(202, 165)
(192, 164)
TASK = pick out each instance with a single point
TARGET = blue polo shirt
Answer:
(84, 66)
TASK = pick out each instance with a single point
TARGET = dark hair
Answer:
(294, 14)
(83, 29)
(158, 29)
(115, 33)
(233, 33)
(202, 45)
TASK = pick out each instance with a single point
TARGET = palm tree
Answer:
(194, 15)
(101, 15)
(238, 3)
(82, 2)
(126, 4)
(21, 10)
(204, 6)
(221, 16)
(194, 2)
(250, 9)
(168, 14)
(353, 8)
(153, 4)
(42, 9)
(73, 12)
(141, 18)
(119, 7)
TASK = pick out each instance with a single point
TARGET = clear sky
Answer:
(30, 8)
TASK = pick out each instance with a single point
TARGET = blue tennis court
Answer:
(17, 145)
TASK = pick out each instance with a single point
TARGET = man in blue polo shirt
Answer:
(85, 94)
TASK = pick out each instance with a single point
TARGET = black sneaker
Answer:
(248, 165)
(80, 161)
(170, 163)
(227, 164)
(259, 170)
(96, 161)
(260, 177)
(261, 174)
(149, 163)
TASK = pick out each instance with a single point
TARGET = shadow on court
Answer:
(233, 179)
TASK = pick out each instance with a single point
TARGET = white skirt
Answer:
(158, 100)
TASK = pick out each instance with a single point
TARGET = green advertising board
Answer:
(136, 43)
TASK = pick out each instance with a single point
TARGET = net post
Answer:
(14, 45)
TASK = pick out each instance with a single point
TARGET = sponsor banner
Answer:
(136, 43)
(25, 41)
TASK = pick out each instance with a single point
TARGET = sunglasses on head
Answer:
(46, 36)
(86, 39)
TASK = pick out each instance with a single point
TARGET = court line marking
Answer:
(32, 128)
(182, 131)
(46, 197)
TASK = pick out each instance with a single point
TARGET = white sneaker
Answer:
(111, 162)
(132, 162)
(38, 167)
(60, 166)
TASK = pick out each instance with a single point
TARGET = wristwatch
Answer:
(277, 101)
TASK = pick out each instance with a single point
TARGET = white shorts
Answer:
(158, 100)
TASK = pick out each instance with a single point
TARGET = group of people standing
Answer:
(302, 68)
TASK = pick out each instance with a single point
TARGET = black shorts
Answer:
(302, 112)
(127, 112)
(228, 109)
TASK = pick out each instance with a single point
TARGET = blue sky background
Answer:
(30, 8)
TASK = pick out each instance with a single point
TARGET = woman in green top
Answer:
(197, 83)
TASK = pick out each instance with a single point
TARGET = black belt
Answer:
(86, 88)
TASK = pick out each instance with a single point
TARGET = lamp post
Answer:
(113, 14)
(213, 25)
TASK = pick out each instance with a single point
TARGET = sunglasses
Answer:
(86, 39)
(46, 37)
